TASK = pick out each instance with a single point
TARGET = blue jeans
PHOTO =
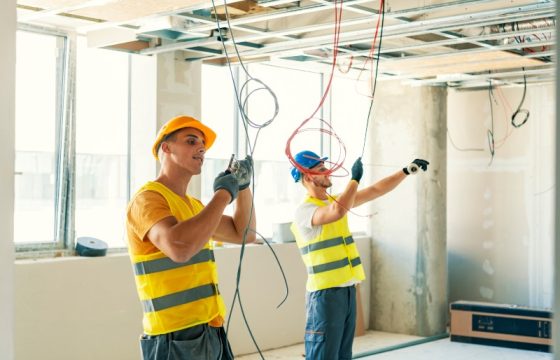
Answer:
(201, 342)
(331, 321)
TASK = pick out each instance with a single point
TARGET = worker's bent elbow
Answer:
(180, 256)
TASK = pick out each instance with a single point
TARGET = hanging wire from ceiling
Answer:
(520, 116)
(373, 78)
(490, 132)
(328, 128)
(243, 110)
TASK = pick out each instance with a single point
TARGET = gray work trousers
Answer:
(201, 342)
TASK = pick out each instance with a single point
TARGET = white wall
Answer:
(88, 306)
(7, 128)
(501, 215)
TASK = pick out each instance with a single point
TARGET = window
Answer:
(75, 170)
(115, 105)
(40, 74)
(101, 143)
(276, 195)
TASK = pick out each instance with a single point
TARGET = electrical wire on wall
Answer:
(460, 148)
(520, 116)
(243, 108)
(490, 132)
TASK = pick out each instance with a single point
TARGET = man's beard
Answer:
(324, 183)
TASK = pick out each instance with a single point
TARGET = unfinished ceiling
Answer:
(462, 43)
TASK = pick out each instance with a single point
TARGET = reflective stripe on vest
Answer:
(179, 298)
(334, 264)
(331, 257)
(164, 264)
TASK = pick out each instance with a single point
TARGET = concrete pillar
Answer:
(7, 155)
(408, 227)
(179, 92)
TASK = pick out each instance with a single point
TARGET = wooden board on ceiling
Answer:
(50, 4)
(118, 10)
(458, 63)
(240, 8)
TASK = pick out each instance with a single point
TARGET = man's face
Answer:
(323, 181)
(186, 148)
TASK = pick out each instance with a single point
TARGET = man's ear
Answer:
(165, 147)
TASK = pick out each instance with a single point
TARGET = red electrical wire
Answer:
(371, 53)
(328, 130)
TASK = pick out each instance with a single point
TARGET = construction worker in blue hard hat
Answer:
(169, 235)
(330, 254)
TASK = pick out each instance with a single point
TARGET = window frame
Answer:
(65, 78)
(65, 151)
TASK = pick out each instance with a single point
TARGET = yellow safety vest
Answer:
(331, 258)
(174, 295)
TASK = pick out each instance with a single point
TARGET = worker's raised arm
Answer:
(389, 183)
(180, 240)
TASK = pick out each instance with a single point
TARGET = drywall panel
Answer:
(7, 146)
(462, 62)
(500, 208)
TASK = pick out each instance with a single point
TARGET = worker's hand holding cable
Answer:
(244, 172)
(227, 181)
(415, 165)
(357, 170)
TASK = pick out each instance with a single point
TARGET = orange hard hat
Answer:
(181, 122)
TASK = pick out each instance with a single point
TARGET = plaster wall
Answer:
(501, 208)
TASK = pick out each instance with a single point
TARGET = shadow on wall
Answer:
(473, 278)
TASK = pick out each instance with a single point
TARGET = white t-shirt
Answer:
(303, 221)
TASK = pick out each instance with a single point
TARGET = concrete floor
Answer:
(435, 350)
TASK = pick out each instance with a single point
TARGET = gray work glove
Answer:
(357, 170)
(244, 172)
(415, 165)
(228, 182)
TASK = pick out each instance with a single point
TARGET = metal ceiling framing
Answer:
(482, 40)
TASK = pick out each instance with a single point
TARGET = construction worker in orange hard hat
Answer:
(169, 243)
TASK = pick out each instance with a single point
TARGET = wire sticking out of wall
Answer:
(490, 132)
(520, 116)
(460, 148)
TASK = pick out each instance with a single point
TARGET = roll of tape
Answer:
(88, 246)
(412, 168)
